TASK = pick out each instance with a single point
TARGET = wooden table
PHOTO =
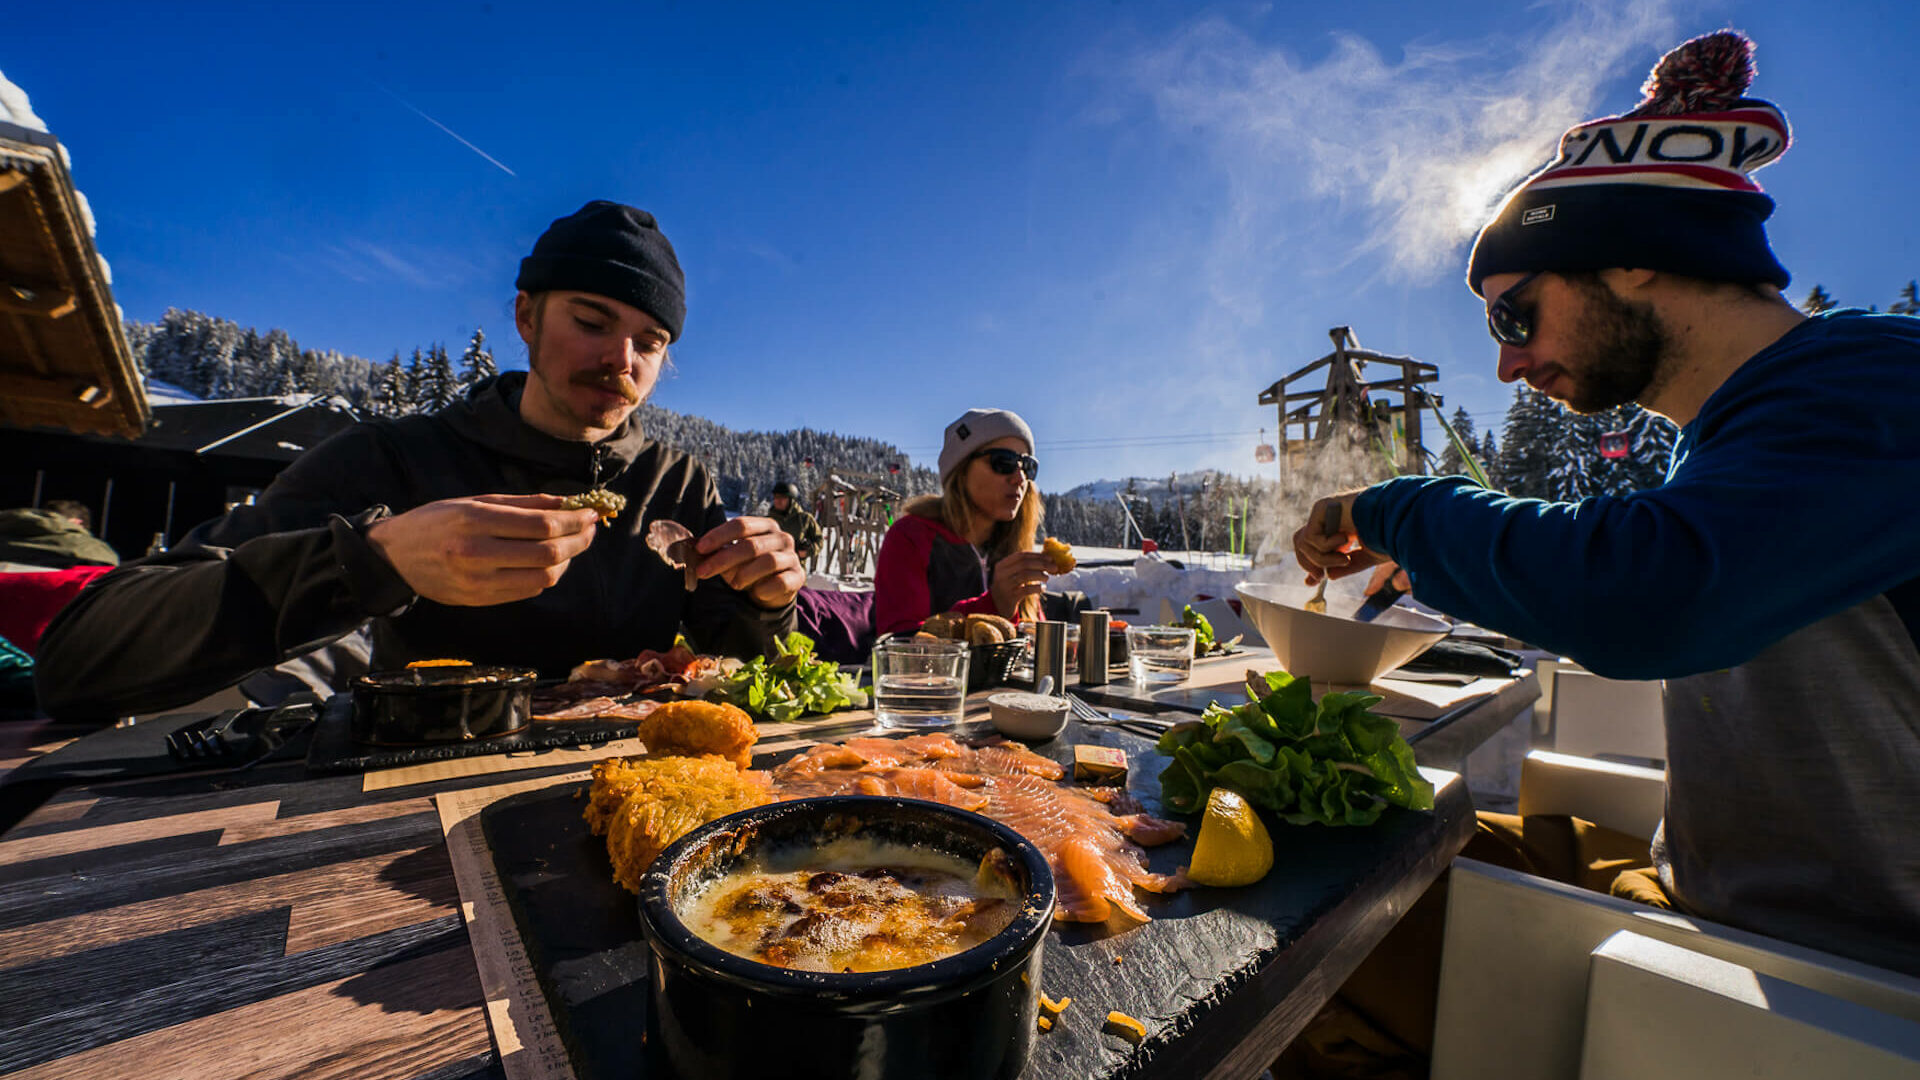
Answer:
(268, 924)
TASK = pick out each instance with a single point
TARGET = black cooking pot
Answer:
(714, 1015)
(423, 705)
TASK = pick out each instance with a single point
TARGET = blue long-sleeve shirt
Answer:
(1793, 495)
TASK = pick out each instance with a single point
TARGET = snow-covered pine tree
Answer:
(1909, 302)
(1490, 460)
(390, 389)
(439, 386)
(416, 382)
(1575, 472)
(1526, 443)
(1451, 463)
(216, 344)
(1651, 438)
(1817, 301)
(476, 363)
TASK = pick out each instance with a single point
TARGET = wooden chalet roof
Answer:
(64, 361)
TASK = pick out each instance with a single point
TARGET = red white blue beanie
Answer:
(1666, 186)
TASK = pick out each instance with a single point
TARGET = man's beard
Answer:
(1620, 347)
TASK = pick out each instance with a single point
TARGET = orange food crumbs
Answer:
(1126, 1026)
(1055, 1007)
(1046, 1024)
(441, 663)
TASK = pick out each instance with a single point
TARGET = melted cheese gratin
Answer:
(854, 906)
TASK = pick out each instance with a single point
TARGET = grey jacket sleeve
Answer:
(243, 592)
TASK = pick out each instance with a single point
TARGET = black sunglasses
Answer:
(1507, 321)
(1005, 461)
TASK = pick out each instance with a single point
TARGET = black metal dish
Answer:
(334, 750)
(426, 705)
(713, 1014)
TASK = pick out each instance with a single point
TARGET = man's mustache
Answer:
(617, 384)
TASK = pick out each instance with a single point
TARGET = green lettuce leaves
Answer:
(791, 685)
(1330, 761)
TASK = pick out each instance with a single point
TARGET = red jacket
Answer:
(924, 569)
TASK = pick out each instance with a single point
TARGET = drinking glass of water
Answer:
(919, 683)
(1159, 655)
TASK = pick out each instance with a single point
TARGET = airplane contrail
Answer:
(457, 137)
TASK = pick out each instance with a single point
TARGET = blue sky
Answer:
(1121, 218)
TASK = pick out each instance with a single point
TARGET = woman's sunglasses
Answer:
(1506, 320)
(1005, 462)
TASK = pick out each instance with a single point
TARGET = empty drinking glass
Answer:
(1159, 655)
(919, 683)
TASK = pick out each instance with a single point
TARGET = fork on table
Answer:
(1149, 726)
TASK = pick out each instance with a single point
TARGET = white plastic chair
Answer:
(1625, 798)
(1656, 1011)
(1616, 717)
(1524, 997)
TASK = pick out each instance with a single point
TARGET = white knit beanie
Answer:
(975, 429)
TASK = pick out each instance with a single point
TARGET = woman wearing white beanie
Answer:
(972, 547)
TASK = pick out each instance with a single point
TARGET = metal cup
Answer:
(1094, 626)
(1050, 654)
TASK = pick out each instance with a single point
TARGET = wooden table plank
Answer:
(413, 1016)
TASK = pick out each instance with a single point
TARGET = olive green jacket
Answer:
(800, 525)
(44, 538)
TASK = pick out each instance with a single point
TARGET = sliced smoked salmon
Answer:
(1092, 836)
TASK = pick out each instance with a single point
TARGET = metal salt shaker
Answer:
(1094, 627)
(1050, 654)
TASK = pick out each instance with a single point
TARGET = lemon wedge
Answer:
(1234, 848)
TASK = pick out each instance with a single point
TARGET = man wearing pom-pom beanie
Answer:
(1773, 581)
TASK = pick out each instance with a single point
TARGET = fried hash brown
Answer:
(644, 804)
(700, 727)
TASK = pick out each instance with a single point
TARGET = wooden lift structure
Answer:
(855, 510)
(1354, 408)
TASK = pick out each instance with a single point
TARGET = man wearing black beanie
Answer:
(1770, 582)
(452, 532)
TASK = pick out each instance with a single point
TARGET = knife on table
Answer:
(1378, 602)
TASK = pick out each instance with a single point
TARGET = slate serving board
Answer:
(1212, 966)
(334, 751)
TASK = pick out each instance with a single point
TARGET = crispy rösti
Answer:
(644, 804)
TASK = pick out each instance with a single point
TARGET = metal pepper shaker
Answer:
(1050, 654)
(1094, 627)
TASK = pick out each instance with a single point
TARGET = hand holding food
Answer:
(1018, 576)
(755, 556)
(673, 542)
(485, 549)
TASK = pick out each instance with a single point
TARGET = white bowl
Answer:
(1027, 716)
(1334, 648)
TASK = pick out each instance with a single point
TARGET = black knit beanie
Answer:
(1664, 187)
(614, 251)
